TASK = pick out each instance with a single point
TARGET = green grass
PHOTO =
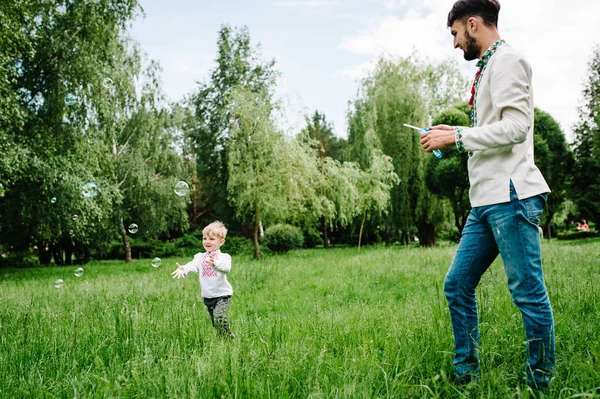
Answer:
(311, 323)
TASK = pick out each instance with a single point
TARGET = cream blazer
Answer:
(502, 140)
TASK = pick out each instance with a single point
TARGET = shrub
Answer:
(283, 237)
(238, 245)
(312, 237)
(574, 235)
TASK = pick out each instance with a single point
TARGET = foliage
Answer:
(115, 135)
(271, 177)
(585, 190)
(555, 160)
(448, 177)
(318, 128)
(576, 235)
(283, 237)
(404, 90)
(239, 64)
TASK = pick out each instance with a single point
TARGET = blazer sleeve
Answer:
(510, 91)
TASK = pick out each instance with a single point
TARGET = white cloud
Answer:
(555, 36)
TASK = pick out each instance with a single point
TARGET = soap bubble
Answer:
(79, 272)
(89, 190)
(58, 283)
(53, 200)
(70, 99)
(182, 188)
(71, 232)
(75, 217)
(156, 262)
(133, 228)
(108, 83)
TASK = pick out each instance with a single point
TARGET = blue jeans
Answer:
(510, 229)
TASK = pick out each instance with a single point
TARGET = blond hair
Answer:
(215, 229)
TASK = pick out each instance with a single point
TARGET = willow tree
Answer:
(398, 91)
(271, 177)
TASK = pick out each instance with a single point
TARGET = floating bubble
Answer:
(70, 99)
(108, 83)
(182, 188)
(156, 262)
(79, 272)
(53, 200)
(75, 217)
(71, 232)
(133, 228)
(58, 283)
(89, 190)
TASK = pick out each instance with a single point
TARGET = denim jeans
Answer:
(510, 229)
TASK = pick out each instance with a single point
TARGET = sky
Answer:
(323, 48)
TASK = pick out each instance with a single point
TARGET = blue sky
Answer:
(323, 47)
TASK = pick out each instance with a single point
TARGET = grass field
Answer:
(311, 323)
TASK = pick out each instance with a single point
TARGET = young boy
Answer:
(212, 267)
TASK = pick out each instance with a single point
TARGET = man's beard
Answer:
(472, 50)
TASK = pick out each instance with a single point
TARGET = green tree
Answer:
(448, 177)
(405, 90)
(238, 64)
(585, 191)
(329, 149)
(107, 135)
(374, 186)
(271, 177)
(555, 160)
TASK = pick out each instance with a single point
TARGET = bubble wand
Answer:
(437, 153)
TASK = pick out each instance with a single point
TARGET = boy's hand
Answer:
(211, 259)
(179, 272)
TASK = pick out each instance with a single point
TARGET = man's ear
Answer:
(473, 24)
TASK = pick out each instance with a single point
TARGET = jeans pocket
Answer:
(534, 207)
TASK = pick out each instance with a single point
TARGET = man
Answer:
(507, 194)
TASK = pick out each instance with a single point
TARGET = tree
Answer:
(555, 160)
(271, 177)
(329, 149)
(448, 177)
(107, 135)
(238, 64)
(405, 90)
(585, 190)
(374, 185)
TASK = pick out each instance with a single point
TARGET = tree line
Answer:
(117, 130)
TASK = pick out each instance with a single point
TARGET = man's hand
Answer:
(438, 137)
(179, 272)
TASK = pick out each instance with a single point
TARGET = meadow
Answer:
(319, 323)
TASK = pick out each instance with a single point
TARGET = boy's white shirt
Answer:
(213, 283)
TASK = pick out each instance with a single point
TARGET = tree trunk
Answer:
(256, 228)
(125, 240)
(56, 253)
(44, 256)
(426, 234)
(362, 224)
(68, 254)
(324, 229)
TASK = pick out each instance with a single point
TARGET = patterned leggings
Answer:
(217, 308)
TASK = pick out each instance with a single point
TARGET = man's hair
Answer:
(486, 9)
(215, 229)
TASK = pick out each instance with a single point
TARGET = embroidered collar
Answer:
(489, 52)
